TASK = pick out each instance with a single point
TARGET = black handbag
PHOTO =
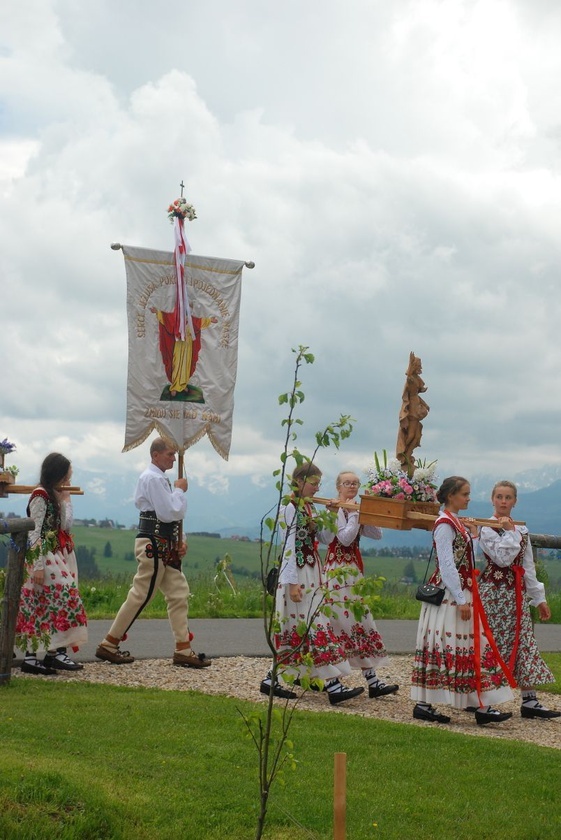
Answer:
(429, 592)
(272, 580)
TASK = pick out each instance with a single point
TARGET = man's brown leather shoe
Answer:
(192, 660)
(114, 655)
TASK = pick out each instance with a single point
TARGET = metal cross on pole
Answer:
(182, 185)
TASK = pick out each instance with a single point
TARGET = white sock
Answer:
(371, 678)
(334, 687)
(529, 698)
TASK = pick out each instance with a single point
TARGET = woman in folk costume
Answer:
(454, 661)
(361, 641)
(51, 614)
(299, 599)
(508, 586)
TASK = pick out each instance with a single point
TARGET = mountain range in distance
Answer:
(239, 511)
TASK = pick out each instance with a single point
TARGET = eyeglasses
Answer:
(313, 482)
(350, 484)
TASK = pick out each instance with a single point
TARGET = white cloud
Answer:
(393, 170)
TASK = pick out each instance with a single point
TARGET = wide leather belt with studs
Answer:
(150, 524)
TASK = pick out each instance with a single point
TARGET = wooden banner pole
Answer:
(180, 474)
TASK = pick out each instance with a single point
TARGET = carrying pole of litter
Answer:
(340, 796)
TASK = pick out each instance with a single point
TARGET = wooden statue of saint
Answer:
(413, 410)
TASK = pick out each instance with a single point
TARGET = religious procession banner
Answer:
(183, 387)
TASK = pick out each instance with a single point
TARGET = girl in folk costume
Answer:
(51, 612)
(299, 599)
(508, 586)
(359, 637)
(454, 662)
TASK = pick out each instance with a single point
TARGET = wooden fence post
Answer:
(19, 529)
(340, 796)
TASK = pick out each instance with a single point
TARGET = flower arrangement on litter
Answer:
(180, 209)
(387, 478)
(13, 470)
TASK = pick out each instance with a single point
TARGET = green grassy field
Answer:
(94, 762)
(203, 553)
(211, 599)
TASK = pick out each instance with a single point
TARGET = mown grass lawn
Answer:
(88, 762)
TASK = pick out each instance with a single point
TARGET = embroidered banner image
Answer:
(182, 387)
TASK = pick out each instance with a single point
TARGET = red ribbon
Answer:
(182, 310)
(65, 541)
(479, 617)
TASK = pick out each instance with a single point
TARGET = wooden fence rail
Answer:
(545, 541)
(18, 529)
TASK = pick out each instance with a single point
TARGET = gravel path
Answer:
(240, 677)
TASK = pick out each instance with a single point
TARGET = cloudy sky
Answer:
(393, 169)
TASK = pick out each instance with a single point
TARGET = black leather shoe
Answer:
(37, 668)
(61, 662)
(346, 694)
(283, 693)
(430, 714)
(491, 717)
(381, 690)
(537, 712)
(312, 686)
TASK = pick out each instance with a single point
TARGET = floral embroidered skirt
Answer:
(359, 637)
(52, 615)
(444, 666)
(320, 646)
(499, 603)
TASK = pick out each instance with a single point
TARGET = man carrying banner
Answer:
(158, 553)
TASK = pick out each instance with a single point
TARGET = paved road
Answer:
(152, 639)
